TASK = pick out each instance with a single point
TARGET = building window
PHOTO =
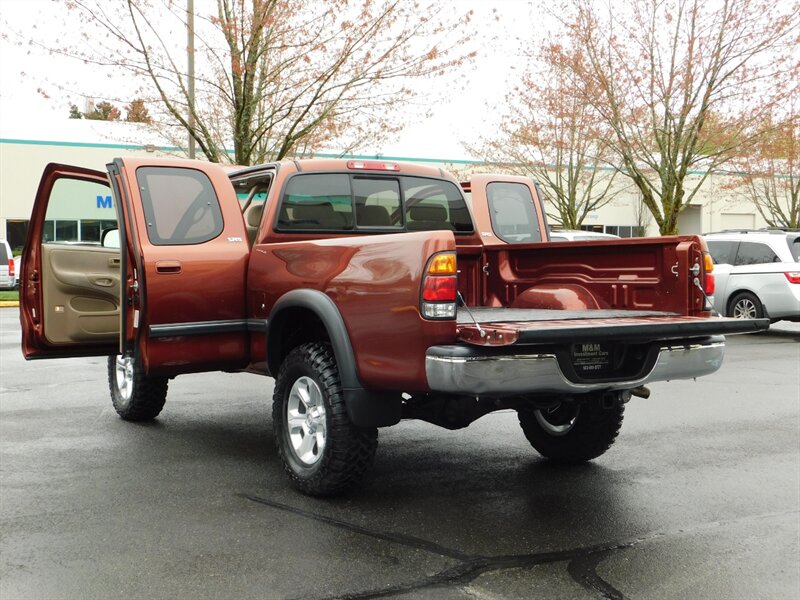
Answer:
(625, 231)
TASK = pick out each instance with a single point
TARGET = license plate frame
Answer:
(590, 359)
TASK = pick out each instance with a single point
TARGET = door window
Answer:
(180, 206)
(722, 253)
(753, 253)
(78, 211)
(512, 213)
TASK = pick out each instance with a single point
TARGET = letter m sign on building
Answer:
(104, 202)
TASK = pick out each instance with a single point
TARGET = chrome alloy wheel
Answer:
(305, 420)
(559, 419)
(745, 309)
(124, 373)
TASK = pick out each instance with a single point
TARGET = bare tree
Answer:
(553, 136)
(769, 175)
(274, 78)
(681, 84)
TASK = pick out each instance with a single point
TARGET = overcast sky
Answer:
(456, 117)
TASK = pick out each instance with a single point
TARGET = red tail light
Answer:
(11, 267)
(440, 287)
(793, 276)
(710, 285)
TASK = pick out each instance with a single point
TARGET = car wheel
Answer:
(745, 305)
(573, 431)
(135, 396)
(322, 451)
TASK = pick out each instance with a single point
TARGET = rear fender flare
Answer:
(365, 408)
(321, 305)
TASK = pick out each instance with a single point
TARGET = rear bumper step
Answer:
(482, 371)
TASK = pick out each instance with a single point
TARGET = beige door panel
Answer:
(81, 293)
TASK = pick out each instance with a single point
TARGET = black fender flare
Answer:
(365, 408)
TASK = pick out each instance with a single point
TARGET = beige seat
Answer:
(252, 219)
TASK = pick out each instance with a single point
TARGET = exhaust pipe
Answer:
(641, 392)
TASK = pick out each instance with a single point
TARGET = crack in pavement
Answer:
(582, 566)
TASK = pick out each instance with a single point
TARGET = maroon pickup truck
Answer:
(372, 291)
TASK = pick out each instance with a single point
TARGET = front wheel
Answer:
(573, 431)
(135, 396)
(322, 451)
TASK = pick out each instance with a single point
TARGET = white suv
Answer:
(7, 266)
(757, 273)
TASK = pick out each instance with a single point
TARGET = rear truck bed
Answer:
(506, 351)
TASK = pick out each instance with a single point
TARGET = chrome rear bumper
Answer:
(472, 370)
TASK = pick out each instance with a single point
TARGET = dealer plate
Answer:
(590, 359)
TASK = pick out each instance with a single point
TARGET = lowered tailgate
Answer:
(506, 326)
(507, 352)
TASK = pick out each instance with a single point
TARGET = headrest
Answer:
(319, 212)
(428, 212)
(374, 216)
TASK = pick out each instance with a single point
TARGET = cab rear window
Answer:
(348, 202)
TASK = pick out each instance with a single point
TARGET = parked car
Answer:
(17, 270)
(7, 267)
(757, 273)
(576, 235)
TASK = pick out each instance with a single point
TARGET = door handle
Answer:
(103, 281)
(168, 266)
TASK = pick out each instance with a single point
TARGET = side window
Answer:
(722, 253)
(794, 247)
(512, 213)
(317, 201)
(753, 253)
(377, 202)
(78, 212)
(180, 206)
(432, 204)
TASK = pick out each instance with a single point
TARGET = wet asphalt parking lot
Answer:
(698, 498)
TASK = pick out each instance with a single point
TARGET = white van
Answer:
(7, 269)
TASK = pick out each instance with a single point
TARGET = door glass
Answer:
(794, 246)
(180, 206)
(753, 253)
(512, 213)
(77, 212)
(722, 252)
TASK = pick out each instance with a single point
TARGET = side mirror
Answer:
(110, 238)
